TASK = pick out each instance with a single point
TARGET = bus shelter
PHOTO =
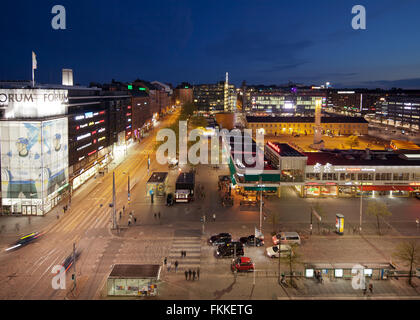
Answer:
(374, 271)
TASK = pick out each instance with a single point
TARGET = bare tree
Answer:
(292, 258)
(378, 210)
(409, 253)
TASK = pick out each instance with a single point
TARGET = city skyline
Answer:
(262, 43)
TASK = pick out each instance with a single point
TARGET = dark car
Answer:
(221, 238)
(251, 241)
(417, 195)
(229, 250)
(23, 241)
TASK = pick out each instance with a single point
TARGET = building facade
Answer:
(211, 97)
(272, 125)
(54, 138)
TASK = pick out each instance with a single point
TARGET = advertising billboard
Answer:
(34, 162)
(33, 103)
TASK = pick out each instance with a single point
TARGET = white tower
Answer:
(227, 108)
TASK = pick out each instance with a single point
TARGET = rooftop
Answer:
(135, 271)
(284, 150)
(157, 177)
(361, 157)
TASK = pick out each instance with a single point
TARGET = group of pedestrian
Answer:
(191, 274)
(131, 218)
(370, 289)
(157, 215)
(183, 254)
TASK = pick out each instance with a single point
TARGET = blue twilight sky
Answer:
(260, 41)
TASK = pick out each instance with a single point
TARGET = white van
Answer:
(289, 238)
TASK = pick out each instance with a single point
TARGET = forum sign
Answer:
(33, 103)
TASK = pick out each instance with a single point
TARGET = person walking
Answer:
(159, 215)
(193, 275)
(185, 253)
(176, 266)
(120, 215)
(198, 273)
(214, 217)
(189, 274)
(155, 216)
(186, 275)
(135, 220)
(165, 261)
(371, 288)
(169, 266)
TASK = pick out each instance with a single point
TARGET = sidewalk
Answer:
(213, 287)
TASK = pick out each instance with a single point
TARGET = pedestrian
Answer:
(120, 215)
(189, 274)
(165, 261)
(198, 273)
(214, 217)
(182, 254)
(124, 209)
(176, 265)
(155, 216)
(193, 275)
(364, 290)
(371, 288)
(129, 222)
(186, 275)
(185, 253)
(159, 215)
(135, 220)
(58, 217)
(169, 266)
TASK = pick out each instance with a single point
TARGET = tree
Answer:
(353, 141)
(187, 110)
(198, 121)
(378, 210)
(409, 253)
(292, 258)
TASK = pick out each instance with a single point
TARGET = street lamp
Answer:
(361, 206)
(128, 186)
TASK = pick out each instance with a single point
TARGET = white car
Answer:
(273, 252)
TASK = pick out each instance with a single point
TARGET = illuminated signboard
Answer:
(33, 103)
(275, 147)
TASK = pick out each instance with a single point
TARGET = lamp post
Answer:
(128, 186)
(361, 206)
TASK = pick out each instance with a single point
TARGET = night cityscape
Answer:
(180, 151)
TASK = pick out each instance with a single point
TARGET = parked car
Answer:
(221, 238)
(273, 252)
(242, 264)
(286, 238)
(229, 250)
(251, 241)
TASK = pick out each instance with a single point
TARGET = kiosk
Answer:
(339, 224)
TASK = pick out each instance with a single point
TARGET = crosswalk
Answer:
(192, 245)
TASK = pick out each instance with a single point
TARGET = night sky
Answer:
(260, 41)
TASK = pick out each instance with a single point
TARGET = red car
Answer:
(243, 264)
